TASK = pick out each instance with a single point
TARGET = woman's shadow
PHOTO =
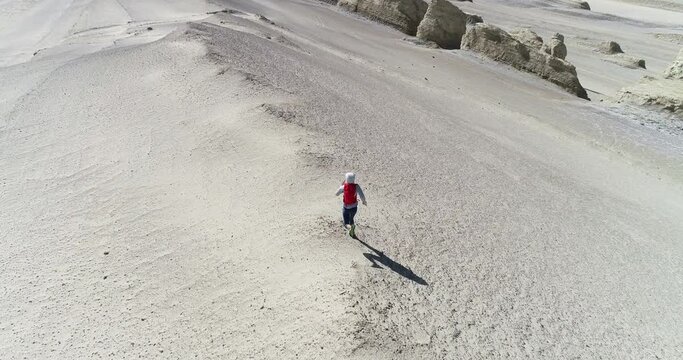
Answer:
(378, 257)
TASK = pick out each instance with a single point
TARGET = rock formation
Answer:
(473, 19)
(528, 38)
(616, 55)
(610, 47)
(654, 92)
(583, 5)
(404, 15)
(675, 71)
(556, 46)
(498, 45)
(443, 24)
(626, 61)
(577, 4)
(665, 92)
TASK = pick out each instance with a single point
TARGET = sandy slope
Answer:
(173, 199)
(39, 28)
(674, 5)
(655, 12)
(157, 178)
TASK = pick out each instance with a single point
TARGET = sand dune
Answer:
(168, 193)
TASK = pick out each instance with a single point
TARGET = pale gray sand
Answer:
(157, 174)
(513, 219)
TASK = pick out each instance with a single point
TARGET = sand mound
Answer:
(150, 162)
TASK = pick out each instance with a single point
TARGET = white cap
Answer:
(350, 178)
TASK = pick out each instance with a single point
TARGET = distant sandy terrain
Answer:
(653, 11)
(169, 192)
(673, 5)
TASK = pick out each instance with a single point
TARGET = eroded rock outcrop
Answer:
(665, 92)
(616, 55)
(675, 71)
(657, 93)
(626, 61)
(576, 4)
(610, 47)
(556, 46)
(498, 45)
(443, 24)
(474, 19)
(404, 15)
(528, 38)
(583, 5)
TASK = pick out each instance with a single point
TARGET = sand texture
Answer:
(169, 169)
